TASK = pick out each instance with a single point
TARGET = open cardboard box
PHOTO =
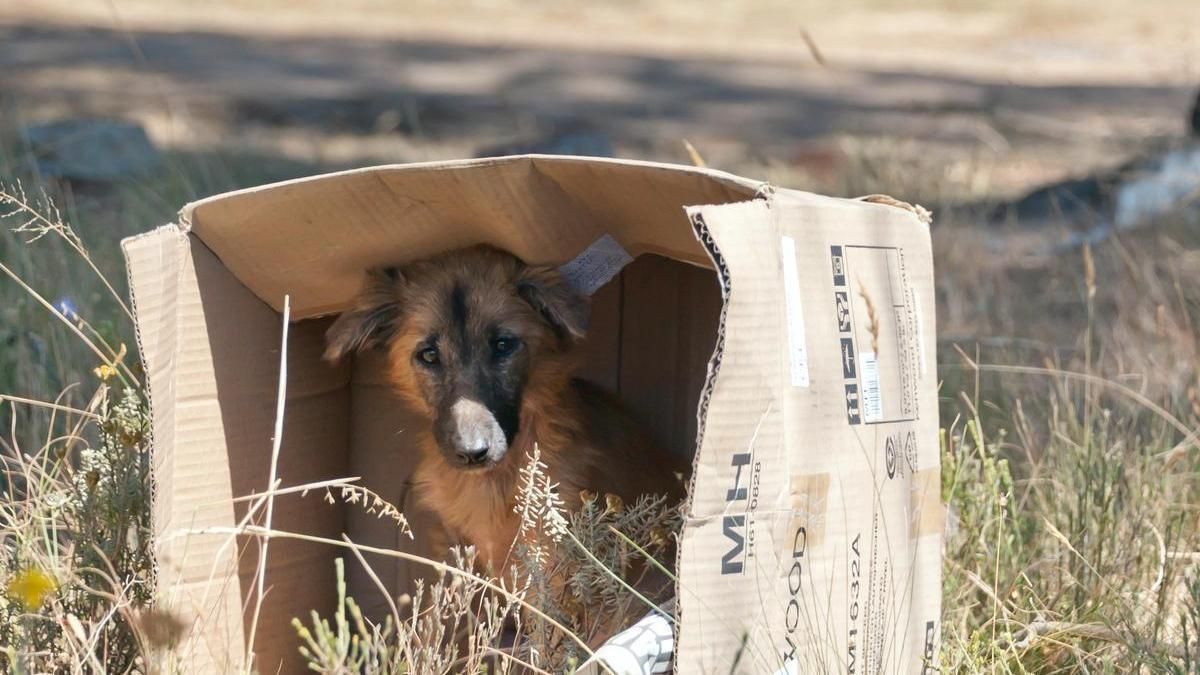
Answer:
(784, 339)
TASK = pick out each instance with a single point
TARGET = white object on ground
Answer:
(644, 648)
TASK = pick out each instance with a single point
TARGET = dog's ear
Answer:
(564, 309)
(369, 323)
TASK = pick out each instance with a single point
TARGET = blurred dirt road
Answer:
(1031, 90)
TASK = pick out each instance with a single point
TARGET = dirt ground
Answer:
(986, 97)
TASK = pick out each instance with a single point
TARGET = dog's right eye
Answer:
(502, 347)
(429, 356)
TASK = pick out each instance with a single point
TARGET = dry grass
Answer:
(1070, 458)
(1069, 455)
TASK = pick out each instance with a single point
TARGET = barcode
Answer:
(872, 401)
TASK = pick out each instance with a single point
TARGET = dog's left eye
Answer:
(504, 346)
(429, 356)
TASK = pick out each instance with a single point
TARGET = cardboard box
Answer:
(783, 338)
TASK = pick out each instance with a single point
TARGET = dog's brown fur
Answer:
(586, 440)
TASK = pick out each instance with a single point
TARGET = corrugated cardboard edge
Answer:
(185, 214)
(130, 247)
(157, 332)
(710, 378)
(714, 362)
(700, 228)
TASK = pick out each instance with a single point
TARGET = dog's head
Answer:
(465, 332)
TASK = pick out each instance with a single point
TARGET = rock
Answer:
(92, 149)
(1139, 190)
(1139, 193)
(1074, 202)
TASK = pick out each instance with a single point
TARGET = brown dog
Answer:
(481, 344)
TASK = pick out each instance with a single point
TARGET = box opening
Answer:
(652, 333)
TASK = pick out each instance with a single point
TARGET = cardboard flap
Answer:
(190, 490)
(813, 535)
(740, 419)
(312, 238)
(211, 350)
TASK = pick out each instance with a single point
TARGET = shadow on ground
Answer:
(439, 89)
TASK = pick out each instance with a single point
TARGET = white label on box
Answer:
(797, 347)
(872, 401)
(596, 266)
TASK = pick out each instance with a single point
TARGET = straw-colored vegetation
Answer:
(1069, 467)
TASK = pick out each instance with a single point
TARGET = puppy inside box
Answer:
(493, 356)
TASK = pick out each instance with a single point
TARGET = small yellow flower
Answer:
(587, 497)
(613, 503)
(660, 537)
(105, 372)
(31, 587)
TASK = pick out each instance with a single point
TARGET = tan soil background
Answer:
(984, 98)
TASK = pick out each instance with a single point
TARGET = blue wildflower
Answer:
(66, 307)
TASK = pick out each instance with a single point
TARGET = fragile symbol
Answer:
(889, 456)
(842, 300)
(853, 414)
(849, 371)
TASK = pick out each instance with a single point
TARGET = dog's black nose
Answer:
(475, 456)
